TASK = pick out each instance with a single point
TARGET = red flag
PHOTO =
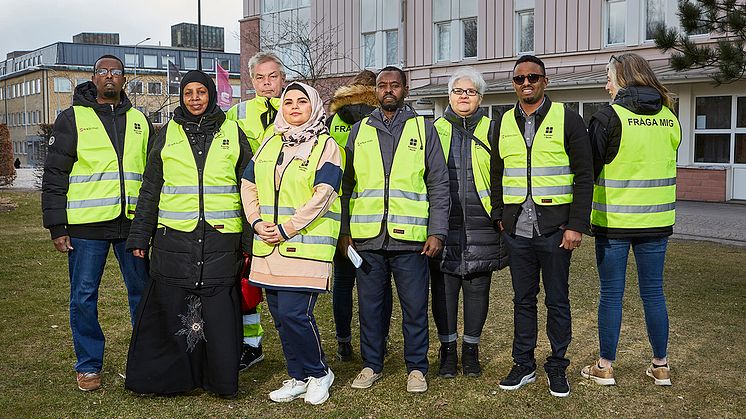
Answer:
(225, 92)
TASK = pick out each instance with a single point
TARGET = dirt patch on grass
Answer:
(6, 205)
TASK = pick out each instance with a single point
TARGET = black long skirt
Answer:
(185, 339)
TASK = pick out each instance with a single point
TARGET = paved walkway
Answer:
(723, 223)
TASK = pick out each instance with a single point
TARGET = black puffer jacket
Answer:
(62, 155)
(200, 258)
(605, 130)
(472, 245)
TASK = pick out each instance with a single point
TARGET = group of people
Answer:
(305, 204)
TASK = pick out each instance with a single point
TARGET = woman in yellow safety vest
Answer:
(634, 141)
(188, 333)
(289, 192)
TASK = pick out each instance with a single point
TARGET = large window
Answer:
(470, 38)
(655, 15)
(379, 23)
(150, 61)
(443, 31)
(525, 31)
(62, 85)
(190, 63)
(130, 60)
(616, 19)
(208, 64)
(715, 130)
(154, 88)
(135, 86)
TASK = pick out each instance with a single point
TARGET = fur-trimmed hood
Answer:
(353, 102)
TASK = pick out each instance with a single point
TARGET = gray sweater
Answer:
(436, 179)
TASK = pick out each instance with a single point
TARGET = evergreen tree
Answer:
(725, 21)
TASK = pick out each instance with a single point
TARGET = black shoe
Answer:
(344, 351)
(470, 360)
(558, 385)
(518, 376)
(448, 360)
(250, 356)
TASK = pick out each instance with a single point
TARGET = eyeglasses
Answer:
(615, 59)
(469, 92)
(532, 78)
(104, 71)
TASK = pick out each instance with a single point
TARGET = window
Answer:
(135, 87)
(470, 38)
(655, 15)
(38, 85)
(269, 6)
(236, 91)
(443, 31)
(155, 117)
(713, 128)
(62, 85)
(130, 60)
(154, 88)
(226, 64)
(173, 89)
(701, 30)
(392, 47)
(369, 50)
(590, 108)
(208, 64)
(616, 16)
(525, 31)
(190, 63)
(165, 59)
(150, 61)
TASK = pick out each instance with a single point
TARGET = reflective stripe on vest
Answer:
(550, 176)
(96, 180)
(248, 115)
(479, 155)
(402, 195)
(318, 241)
(638, 188)
(180, 196)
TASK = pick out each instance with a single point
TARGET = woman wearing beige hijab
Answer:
(289, 193)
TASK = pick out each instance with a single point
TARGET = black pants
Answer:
(445, 289)
(529, 257)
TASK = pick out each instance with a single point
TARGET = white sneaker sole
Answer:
(598, 380)
(557, 394)
(665, 382)
(525, 380)
(326, 394)
(286, 399)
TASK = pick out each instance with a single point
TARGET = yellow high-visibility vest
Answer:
(248, 115)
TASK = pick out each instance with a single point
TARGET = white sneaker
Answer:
(318, 388)
(291, 389)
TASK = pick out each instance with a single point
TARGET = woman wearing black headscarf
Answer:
(187, 331)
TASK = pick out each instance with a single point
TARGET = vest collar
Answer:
(540, 113)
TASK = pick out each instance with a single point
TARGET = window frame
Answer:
(437, 43)
(518, 15)
(463, 22)
(160, 88)
(732, 131)
(607, 23)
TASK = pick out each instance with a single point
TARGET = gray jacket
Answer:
(436, 179)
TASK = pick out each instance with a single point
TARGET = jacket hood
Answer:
(641, 100)
(85, 95)
(353, 102)
(469, 123)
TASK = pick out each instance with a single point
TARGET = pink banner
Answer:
(225, 92)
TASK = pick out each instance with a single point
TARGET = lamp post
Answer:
(137, 62)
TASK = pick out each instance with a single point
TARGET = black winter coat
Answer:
(203, 257)
(472, 244)
(62, 155)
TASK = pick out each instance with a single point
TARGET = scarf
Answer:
(304, 135)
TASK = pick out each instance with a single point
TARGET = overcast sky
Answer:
(31, 24)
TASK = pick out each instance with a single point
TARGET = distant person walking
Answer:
(92, 177)
(634, 140)
(17, 163)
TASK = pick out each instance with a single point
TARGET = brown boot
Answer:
(88, 381)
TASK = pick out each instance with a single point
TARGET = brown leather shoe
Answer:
(89, 381)
(661, 375)
(600, 376)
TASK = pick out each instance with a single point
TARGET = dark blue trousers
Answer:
(529, 258)
(344, 282)
(411, 274)
(292, 312)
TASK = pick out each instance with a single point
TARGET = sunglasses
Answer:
(469, 92)
(104, 71)
(615, 59)
(532, 78)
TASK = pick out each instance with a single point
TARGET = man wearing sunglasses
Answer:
(542, 186)
(91, 182)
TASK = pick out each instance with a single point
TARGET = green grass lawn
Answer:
(705, 287)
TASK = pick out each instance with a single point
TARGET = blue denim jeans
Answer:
(611, 258)
(86, 263)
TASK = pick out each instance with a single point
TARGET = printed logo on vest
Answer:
(138, 128)
(226, 144)
(219, 227)
(549, 131)
(86, 129)
(304, 166)
(129, 211)
(413, 142)
(290, 249)
(399, 231)
(546, 200)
